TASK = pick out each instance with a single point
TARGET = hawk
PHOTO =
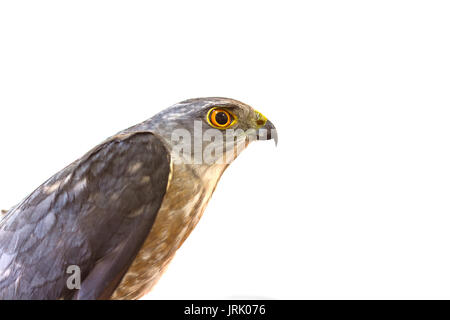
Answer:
(120, 212)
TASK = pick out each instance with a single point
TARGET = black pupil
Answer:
(221, 118)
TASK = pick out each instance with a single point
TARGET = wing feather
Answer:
(95, 214)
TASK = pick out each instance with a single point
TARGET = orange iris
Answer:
(220, 118)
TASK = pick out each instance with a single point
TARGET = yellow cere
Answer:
(260, 119)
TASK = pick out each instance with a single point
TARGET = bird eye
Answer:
(220, 118)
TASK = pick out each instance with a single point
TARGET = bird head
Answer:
(210, 130)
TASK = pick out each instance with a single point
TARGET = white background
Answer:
(353, 203)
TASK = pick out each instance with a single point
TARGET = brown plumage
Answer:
(120, 212)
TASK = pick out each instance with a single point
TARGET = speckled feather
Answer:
(82, 214)
(119, 213)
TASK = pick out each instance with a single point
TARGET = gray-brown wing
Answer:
(94, 214)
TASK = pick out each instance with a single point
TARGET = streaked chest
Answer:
(189, 191)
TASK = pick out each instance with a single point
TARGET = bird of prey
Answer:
(119, 213)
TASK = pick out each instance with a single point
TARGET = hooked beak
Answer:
(271, 132)
(268, 132)
(266, 129)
